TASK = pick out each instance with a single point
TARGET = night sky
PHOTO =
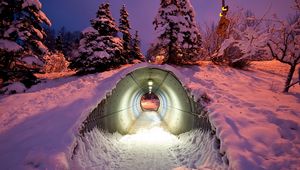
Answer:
(76, 14)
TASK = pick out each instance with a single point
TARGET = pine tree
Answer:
(104, 22)
(178, 32)
(191, 38)
(99, 48)
(59, 42)
(49, 41)
(25, 24)
(124, 28)
(136, 48)
(168, 28)
(21, 34)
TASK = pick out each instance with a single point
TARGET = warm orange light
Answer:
(224, 9)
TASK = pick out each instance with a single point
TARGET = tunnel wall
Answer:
(115, 113)
(121, 107)
(179, 107)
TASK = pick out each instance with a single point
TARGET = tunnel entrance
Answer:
(127, 102)
(150, 102)
(150, 139)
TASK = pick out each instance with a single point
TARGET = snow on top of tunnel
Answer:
(61, 92)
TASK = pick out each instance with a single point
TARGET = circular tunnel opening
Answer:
(147, 89)
(150, 102)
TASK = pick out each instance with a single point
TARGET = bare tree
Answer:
(285, 45)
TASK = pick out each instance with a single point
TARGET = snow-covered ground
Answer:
(149, 146)
(259, 127)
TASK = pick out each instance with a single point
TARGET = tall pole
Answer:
(224, 22)
(225, 9)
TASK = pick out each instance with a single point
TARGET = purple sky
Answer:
(75, 14)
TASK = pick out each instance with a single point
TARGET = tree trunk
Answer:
(289, 78)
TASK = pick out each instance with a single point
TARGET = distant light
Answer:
(150, 87)
(150, 83)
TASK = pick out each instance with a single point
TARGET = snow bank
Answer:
(100, 150)
(16, 87)
(198, 148)
(257, 124)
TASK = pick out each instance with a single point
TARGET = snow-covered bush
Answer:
(55, 62)
(250, 41)
(16, 87)
(100, 49)
(285, 44)
(246, 42)
(97, 53)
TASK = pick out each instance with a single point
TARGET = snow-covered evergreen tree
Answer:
(191, 38)
(49, 40)
(24, 26)
(136, 47)
(59, 42)
(100, 48)
(124, 28)
(21, 34)
(178, 32)
(167, 26)
(104, 22)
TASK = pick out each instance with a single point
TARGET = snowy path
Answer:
(148, 147)
(147, 120)
(152, 152)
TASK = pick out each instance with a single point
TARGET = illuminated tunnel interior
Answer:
(122, 107)
(147, 134)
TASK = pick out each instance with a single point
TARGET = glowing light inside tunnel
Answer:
(150, 83)
(123, 106)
